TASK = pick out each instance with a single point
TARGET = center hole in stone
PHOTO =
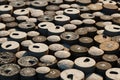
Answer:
(4, 57)
(113, 72)
(18, 4)
(70, 76)
(104, 36)
(59, 17)
(7, 71)
(31, 62)
(57, 27)
(81, 8)
(36, 2)
(8, 45)
(6, 6)
(47, 18)
(15, 34)
(69, 10)
(22, 10)
(36, 47)
(43, 25)
(67, 36)
(53, 1)
(116, 28)
(110, 1)
(86, 60)
(28, 25)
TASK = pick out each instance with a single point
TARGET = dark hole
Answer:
(57, 27)
(81, 8)
(6, 6)
(28, 25)
(110, 1)
(8, 45)
(36, 2)
(113, 72)
(69, 10)
(4, 57)
(59, 17)
(7, 71)
(43, 25)
(86, 60)
(47, 18)
(70, 76)
(36, 47)
(53, 1)
(104, 36)
(67, 37)
(116, 28)
(31, 62)
(22, 10)
(15, 34)
(18, 4)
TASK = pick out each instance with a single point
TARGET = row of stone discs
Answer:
(59, 40)
(44, 72)
(37, 46)
(50, 61)
(17, 5)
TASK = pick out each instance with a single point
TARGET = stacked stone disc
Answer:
(59, 40)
